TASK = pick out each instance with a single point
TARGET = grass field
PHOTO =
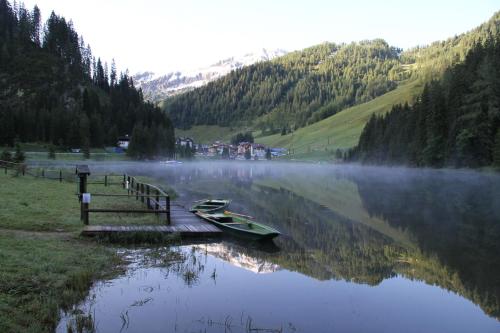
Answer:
(94, 156)
(209, 133)
(342, 130)
(46, 266)
(39, 151)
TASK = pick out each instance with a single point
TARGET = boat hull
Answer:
(203, 206)
(247, 234)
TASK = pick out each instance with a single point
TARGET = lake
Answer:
(363, 249)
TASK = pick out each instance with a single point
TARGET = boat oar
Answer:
(241, 215)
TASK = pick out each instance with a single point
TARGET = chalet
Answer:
(185, 142)
(257, 151)
(123, 142)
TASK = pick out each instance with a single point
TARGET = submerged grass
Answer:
(43, 273)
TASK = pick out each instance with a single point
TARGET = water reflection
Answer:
(383, 229)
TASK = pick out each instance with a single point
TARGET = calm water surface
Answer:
(363, 250)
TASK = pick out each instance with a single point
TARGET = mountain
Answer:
(159, 87)
(294, 90)
(411, 69)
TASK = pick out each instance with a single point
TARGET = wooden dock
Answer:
(183, 223)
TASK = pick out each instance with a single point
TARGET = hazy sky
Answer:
(164, 35)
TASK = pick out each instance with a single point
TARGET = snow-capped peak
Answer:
(157, 87)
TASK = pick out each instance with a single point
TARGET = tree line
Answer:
(56, 91)
(455, 122)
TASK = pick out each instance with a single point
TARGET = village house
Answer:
(124, 141)
(257, 151)
(185, 142)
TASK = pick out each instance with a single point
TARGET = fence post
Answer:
(124, 180)
(43, 173)
(157, 199)
(105, 180)
(129, 184)
(5, 169)
(148, 201)
(60, 176)
(23, 168)
(142, 192)
(167, 208)
(136, 191)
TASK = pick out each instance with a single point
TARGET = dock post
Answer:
(85, 208)
(83, 172)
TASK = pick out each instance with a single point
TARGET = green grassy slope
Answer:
(341, 130)
(208, 133)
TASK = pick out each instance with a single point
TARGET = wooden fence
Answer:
(155, 199)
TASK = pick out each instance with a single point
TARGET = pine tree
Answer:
(86, 148)
(6, 156)
(52, 152)
(19, 156)
(268, 154)
(248, 154)
(496, 149)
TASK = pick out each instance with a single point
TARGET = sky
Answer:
(167, 35)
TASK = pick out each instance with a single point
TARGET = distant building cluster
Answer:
(242, 151)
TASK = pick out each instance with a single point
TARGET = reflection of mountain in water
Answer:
(439, 227)
(454, 221)
(237, 257)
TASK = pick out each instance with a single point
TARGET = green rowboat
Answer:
(240, 225)
(210, 205)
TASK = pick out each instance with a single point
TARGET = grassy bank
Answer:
(46, 266)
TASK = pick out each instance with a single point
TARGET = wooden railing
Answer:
(148, 194)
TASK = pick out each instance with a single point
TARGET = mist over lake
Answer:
(362, 249)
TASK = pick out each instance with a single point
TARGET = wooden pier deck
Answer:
(183, 222)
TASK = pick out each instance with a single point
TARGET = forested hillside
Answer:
(306, 86)
(295, 90)
(52, 89)
(456, 120)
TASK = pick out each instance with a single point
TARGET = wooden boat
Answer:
(210, 205)
(240, 225)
